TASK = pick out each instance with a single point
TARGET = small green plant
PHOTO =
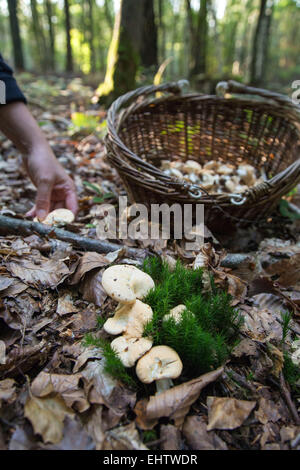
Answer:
(101, 197)
(113, 365)
(149, 436)
(291, 371)
(208, 328)
(286, 318)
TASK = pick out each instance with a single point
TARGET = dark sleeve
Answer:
(13, 92)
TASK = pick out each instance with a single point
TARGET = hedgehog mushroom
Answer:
(126, 283)
(129, 349)
(160, 364)
(58, 217)
(129, 319)
(247, 174)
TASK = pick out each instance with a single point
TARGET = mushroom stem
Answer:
(162, 385)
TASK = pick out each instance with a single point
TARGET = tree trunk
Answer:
(148, 49)
(198, 37)
(69, 57)
(261, 43)
(124, 52)
(40, 40)
(49, 13)
(15, 34)
(162, 29)
(108, 15)
(91, 34)
(201, 37)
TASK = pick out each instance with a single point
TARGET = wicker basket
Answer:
(237, 124)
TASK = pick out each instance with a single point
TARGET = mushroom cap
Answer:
(59, 217)
(161, 362)
(176, 313)
(129, 318)
(126, 283)
(247, 174)
(190, 166)
(211, 165)
(130, 349)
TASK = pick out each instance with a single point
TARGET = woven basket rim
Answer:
(144, 173)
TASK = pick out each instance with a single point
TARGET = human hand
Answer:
(55, 189)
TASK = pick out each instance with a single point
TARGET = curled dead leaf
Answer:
(227, 413)
(175, 402)
(47, 416)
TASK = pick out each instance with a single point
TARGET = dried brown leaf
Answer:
(175, 402)
(123, 438)
(197, 436)
(47, 416)
(227, 413)
(48, 273)
(65, 385)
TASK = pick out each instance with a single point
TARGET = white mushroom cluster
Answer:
(214, 176)
(129, 285)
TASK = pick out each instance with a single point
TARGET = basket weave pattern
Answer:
(239, 124)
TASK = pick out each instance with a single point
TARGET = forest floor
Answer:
(54, 393)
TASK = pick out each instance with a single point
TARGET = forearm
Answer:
(17, 123)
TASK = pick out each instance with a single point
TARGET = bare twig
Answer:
(285, 391)
(27, 227)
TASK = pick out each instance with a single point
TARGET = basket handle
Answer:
(124, 100)
(233, 87)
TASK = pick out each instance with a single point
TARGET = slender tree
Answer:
(15, 34)
(148, 49)
(261, 39)
(124, 51)
(49, 14)
(198, 36)
(91, 33)
(40, 41)
(69, 56)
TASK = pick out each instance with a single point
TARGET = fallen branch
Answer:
(28, 227)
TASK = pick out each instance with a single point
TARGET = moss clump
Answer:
(291, 372)
(208, 328)
(113, 365)
(205, 335)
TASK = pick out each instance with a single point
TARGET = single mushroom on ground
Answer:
(58, 217)
(175, 313)
(126, 283)
(160, 364)
(129, 349)
(129, 319)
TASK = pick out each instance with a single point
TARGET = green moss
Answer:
(203, 338)
(208, 328)
(291, 372)
(113, 364)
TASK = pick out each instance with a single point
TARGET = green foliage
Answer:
(291, 371)
(85, 123)
(113, 365)
(101, 197)
(149, 436)
(207, 330)
(286, 318)
(286, 210)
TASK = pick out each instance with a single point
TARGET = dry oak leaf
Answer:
(7, 391)
(227, 413)
(65, 385)
(47, 416)
(65, 305)
(197, 436)
(267, 411)
(123, 438)
(48, 273)
(89, 261)
(175, 402)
